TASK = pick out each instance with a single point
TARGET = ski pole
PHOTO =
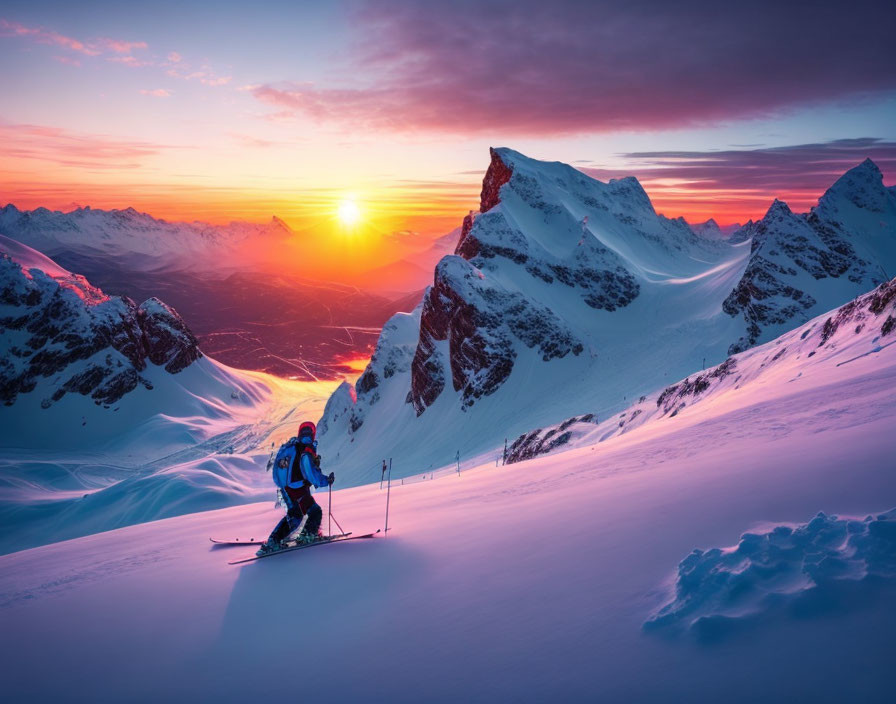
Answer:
(329, 510)
(388, 491)
(337, 525)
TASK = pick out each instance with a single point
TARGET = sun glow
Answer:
(349, 213)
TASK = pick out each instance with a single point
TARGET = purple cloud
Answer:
(535, 67)
(737, 184)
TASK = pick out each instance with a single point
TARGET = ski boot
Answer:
(268, 546)
(306, 538)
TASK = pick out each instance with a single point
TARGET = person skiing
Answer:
(296, 469)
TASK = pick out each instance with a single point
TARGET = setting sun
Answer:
(349, 213)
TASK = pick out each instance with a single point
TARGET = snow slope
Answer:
(529, 582)
(111, 414)
(861, 328)
(569, 296)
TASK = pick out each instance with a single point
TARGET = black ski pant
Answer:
(300, 503)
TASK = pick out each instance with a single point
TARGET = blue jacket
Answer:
(292, 469)
(311, 473)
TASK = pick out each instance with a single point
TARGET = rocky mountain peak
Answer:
(496, 176)
(61, 335)
(862, 186)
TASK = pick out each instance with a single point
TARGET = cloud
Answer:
(118, 46)
(738, 184)
(68, 60)
(75, 149)
(174, 57)
(537, 68)
(157, 93)
(93, 47)
(131, 61)
(204, 75)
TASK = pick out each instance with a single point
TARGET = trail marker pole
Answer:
(388, 491)
(457, 459)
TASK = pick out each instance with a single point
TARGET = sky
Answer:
(234, 110)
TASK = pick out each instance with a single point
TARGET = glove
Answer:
(331, 479)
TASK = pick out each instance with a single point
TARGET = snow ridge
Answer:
(801, 265)
(862, 327)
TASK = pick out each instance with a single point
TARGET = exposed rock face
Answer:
(62, 330)
(480, 318)
(672, 398)
(480, 321)
(801, 265)
(545, 440)
(496, 176)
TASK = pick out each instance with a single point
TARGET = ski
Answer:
(256, 541)
(325, 541)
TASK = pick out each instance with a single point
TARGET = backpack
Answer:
(283, 462)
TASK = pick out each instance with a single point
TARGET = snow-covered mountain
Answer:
(856, 330)
(712, 230)
(134, 241)
(66, 336)
(569, 296)
(802, 265)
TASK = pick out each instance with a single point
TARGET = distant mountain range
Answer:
(220, 279)
(134, 241)
(568, 296)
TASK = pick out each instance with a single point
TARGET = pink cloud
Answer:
(67, 148)
(156, 93)
(532, 67)
(43, 36)
(736, 184)
(131, 61)
(68, 60)
(118, 46)
(204, 75)
(93, 47)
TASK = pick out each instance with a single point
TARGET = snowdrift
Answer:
(804, 569)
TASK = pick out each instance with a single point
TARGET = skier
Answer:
(296, 469)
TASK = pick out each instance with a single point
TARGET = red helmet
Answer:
(306, 428)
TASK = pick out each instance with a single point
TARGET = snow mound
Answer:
(780, 568)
